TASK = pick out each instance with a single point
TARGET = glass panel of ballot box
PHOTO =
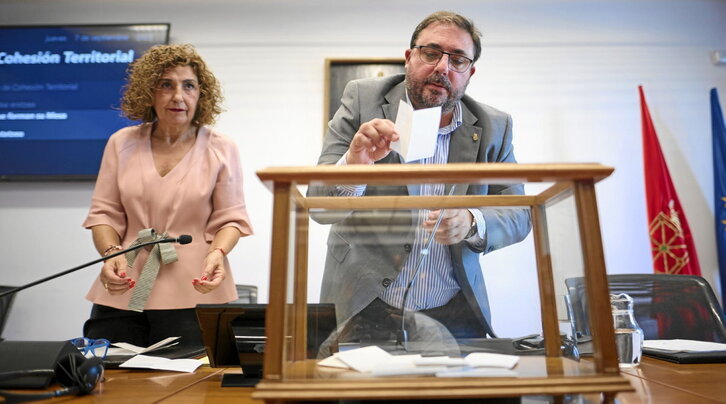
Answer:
(436, 282)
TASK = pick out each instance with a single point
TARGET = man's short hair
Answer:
(448, 17)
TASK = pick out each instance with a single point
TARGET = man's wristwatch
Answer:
(472, 230)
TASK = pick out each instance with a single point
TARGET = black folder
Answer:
(686, 357)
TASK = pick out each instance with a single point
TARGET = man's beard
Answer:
(422, 97)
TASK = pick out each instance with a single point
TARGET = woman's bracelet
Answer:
(224, 254)
(111, 248)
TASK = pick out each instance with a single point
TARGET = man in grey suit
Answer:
(372, 256)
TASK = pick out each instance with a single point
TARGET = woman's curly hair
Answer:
(144, 73)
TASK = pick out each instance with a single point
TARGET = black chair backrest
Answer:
(5, 303)
(247, 294)
(665, 306)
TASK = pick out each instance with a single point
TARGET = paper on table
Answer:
(333, 362)
(124, 348)
(683, 345)
(154, 362)
(374, 360)
(477, 372)
(370, 358)
(440, 361)
(483, 359)
(417, 131)
(406, 370)
(363, 359)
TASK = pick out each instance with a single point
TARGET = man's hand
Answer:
(372, 142)
(454, 226)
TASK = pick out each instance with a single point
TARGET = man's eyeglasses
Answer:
(431, 56)
(91, 347)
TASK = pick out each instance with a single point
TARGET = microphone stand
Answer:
(74, 269)
(422, 255)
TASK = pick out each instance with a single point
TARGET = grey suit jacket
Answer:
(361, 262)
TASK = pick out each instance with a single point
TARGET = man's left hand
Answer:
(454, 226)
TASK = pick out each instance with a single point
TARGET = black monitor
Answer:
(234, 335)
(60, 91)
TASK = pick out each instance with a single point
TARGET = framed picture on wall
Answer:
(338, 72)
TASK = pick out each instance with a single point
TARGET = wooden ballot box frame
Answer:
(289, 376)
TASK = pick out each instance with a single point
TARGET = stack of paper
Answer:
(377, 362)
(124, 348)
(153, 362)
(139, 360)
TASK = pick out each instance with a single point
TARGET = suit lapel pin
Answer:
(475, 137)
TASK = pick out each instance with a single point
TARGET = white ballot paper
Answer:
(477, 372)
(154, 362)
(491, 360)
(368, 358)
(684, 345)
(333, 362)
(440, 361)
(377, 362)
(124, 348)
(417, 131)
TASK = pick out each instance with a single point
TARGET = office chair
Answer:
(5, 303)
(247, 294)
(665, 306)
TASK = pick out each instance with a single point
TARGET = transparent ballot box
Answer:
(420, 304)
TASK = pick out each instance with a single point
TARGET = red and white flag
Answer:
(670, 237)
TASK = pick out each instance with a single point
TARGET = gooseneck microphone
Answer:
(183, 239)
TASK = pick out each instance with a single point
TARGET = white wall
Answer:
(567, 71)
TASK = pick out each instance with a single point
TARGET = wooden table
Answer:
(655, 381)
(666, 382)
(140, 386)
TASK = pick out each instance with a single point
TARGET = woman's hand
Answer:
(113, 276)
(213, 273)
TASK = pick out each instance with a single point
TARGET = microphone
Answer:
(422, 255)
(183, 239)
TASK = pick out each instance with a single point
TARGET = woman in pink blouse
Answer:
(177, 175)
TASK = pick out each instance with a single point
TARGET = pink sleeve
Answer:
(228, 203)
(106, 207)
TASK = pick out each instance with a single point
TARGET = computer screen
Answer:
(60, 91)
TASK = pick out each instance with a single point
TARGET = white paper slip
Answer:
(333, 362)
(399, 361)
(363, 359)
(119, 352)
(417, 131)
(683, 345)
(406, 370)
(477, 372)
(483, 359)
(439, 361)
(154, 362)
(124, 348)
